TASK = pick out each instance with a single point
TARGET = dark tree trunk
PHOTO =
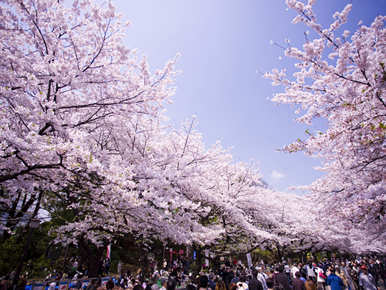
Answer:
(279, 253)
(143, 261)
(304, 257)
(92, 257)
(216, 264)
(199, 257)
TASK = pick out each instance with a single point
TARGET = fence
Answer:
(65, 285)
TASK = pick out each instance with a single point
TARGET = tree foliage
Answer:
(348, 90)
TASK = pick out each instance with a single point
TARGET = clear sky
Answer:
(222, 44)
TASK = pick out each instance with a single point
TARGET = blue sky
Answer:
(222, 44)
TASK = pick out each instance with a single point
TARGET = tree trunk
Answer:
(92, 258)
(198, 260)
(216, 264)
(143, 262)
(279, 253)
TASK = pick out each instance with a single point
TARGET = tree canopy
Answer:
(83, 134)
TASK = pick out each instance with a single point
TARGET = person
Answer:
(310, 271)
(345, 269)
(232, 286)
(287, 270)
(353, 272)
(22, 283)
(235, 279)
(320, 278)
(220, 285)
(383, 272)
(374, 269)
(254, 283)
(75, 265)
(78, 282)
(164, 282)
(281, 278)
(52, 285)
(295, 269)
(303, 272)
(242, 285)
(298, 284)
(228, 276)
(110, 284)
(333, 280)
(366, 280)
(277, 287)
(342, 276)
(5, 283)
(123, 282)
(92, 285)
(310, 285)
(107, 265)
(322, 266)
(212, 284)
(271, 279)
(131, 284)
(203, 282)
(171, 284)
(138, 287)
(261, 278)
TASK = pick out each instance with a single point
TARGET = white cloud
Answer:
(276, 176)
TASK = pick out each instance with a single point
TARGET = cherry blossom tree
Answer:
(171, 188)
(65, 74)
(348, 91)
(69, 90)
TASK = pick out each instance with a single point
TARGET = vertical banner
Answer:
(187, 251)
(194, 255)
(38, 286)
(85, 283)
(62, 285)
(108, 254)
(206, 258)
(119, 267)
(249, 259)
(171, 255)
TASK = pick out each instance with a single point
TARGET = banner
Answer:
(151, 256)
(194, 255)
(206, 258)
(108, 254)
(104, 281)
(38, 286)
(62, 285)
(249, 259)
(119, 267)
(85, 283)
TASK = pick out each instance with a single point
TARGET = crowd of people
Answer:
(339, 275)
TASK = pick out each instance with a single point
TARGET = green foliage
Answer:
(10, 255)
(11, 249)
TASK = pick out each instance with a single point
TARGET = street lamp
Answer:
(33, 224)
